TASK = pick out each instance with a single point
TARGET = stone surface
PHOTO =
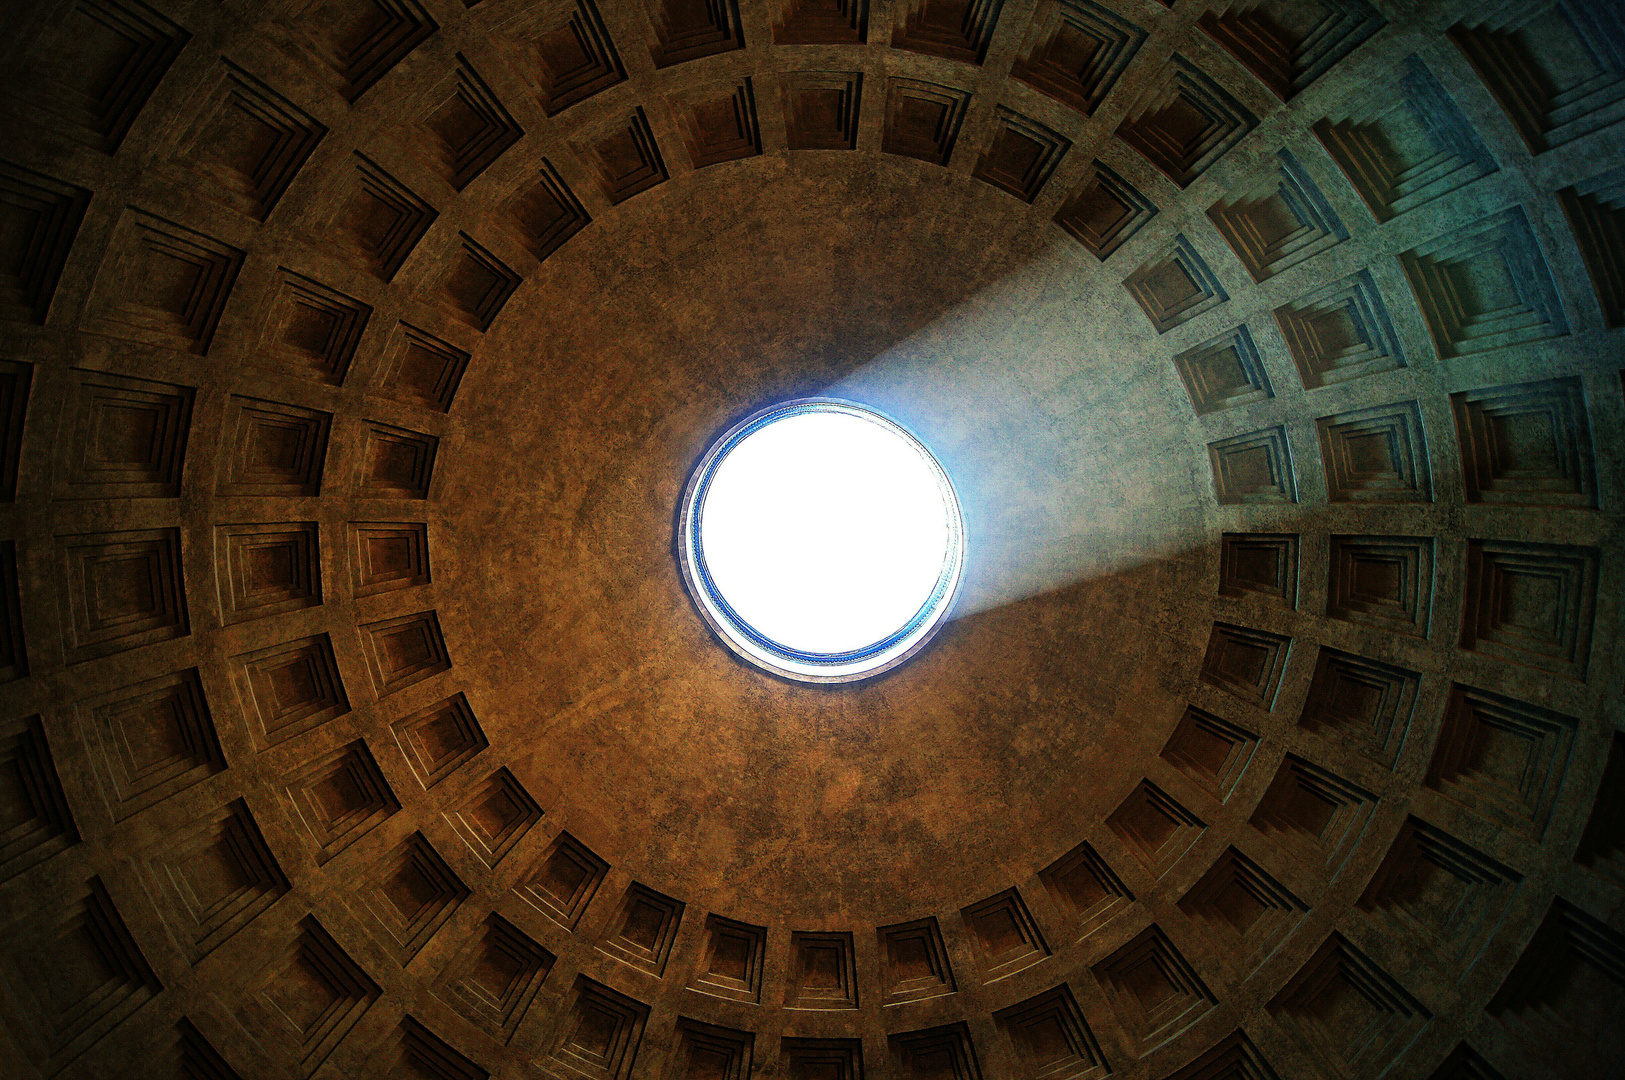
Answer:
(354, 720)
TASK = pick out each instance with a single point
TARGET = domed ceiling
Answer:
(356, 719)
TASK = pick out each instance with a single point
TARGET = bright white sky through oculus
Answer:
(825, 531)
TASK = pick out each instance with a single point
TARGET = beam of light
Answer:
(1071, 448)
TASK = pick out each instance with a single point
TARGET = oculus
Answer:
(822, 540)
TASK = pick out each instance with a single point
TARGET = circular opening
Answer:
(822, 540)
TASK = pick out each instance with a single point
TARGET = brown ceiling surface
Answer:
(356, 721)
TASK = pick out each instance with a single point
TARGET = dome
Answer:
(358, 719)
